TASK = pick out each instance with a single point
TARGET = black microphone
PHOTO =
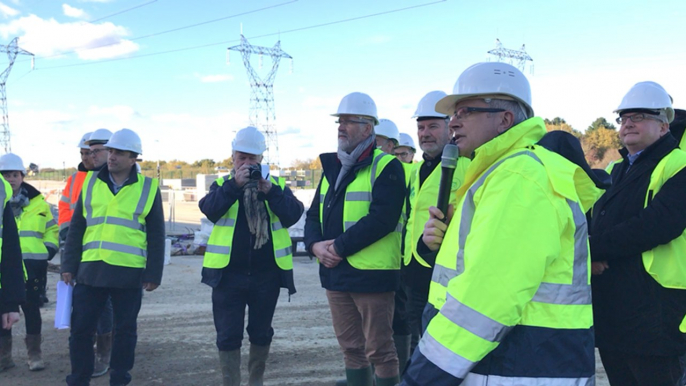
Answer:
(448, 164)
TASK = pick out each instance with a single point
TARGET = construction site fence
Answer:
(295, 179)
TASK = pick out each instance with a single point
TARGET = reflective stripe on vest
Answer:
(115, 231)
(496, 380)
(71, 200)
(578, 292)
(218, 251)
(385, 253)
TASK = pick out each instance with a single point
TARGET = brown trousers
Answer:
(363, 323)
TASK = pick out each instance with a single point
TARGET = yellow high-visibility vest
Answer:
(115, 224)
(385, 253)
(218, 252)
(37, 229)
(421, 198)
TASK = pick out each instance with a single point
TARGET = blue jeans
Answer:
(88, 304)
(260, 292)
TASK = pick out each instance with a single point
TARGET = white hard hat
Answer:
(82, 141)
(427, 105)
(388, 129)
(358, 103)
(99, 136)
(406, 140)
(249, 140)
(489, 80)
(11, 162)
(125, 139)
(647, 95)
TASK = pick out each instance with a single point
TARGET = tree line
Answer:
(600, 142)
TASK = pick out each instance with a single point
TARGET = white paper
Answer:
(63, 307)
(265, 171)
(167, 251)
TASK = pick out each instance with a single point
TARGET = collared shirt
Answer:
(632, 158)
(116, 186)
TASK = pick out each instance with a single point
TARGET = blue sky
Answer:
(189, 103)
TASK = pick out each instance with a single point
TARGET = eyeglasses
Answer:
(85, 153)
(464, 112)
(96, 151)
(348, 122)
(402, 154)
(636, 118)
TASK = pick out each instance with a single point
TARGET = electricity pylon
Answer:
(12, 51)
(262, 114)
(517, 58)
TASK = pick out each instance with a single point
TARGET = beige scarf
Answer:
(256, 214)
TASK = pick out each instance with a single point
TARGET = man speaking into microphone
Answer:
(510, 296)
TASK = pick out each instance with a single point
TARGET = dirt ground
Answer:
(176, 332)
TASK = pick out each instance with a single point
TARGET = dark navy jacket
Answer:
(632, 312)
(12, 292)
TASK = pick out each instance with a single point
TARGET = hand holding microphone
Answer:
(448, 165)
(440, 215)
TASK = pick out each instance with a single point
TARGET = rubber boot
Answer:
(402, 347)
(103, 349)
(387, 381)
(6, 361)
(35, 361)
(359, 377)
(230, 362)
(256, 364)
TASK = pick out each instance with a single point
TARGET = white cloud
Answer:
(122, 113)
(7, 11)
(47, 37)
(70, 11)
(215, 78)
(96, 1)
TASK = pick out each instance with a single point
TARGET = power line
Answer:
(123, 11)
(164, 32)
(252, 37)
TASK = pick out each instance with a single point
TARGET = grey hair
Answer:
(517, 108)
(663, 116)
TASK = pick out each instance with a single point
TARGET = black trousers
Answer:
(400, 325)
(640, 370)
(87, 305)
(260, 293)
(36, 271)
(416, 302)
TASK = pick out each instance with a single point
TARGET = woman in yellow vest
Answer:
(38, 240)
(249, 256)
